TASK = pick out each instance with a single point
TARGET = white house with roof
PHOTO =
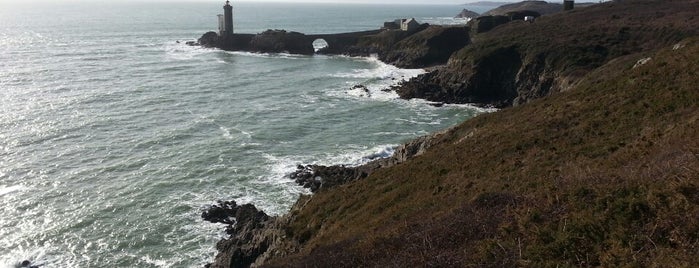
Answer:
(409, 24)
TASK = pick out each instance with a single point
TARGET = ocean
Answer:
(114, 135)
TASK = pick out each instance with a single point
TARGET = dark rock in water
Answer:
(317, 177)
(363, 88)
(192, 43)
(256, 237)
(276, 41)
(28, 264)
(467, 14)
(209, 39)
(223, 212)
(243, 247)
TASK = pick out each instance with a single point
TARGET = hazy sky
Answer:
(306, 1)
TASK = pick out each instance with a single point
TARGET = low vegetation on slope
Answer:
(604, 174)
(519, 61)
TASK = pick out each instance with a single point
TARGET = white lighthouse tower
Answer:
(225, 21)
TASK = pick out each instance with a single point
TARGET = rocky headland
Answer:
(593, 162)
(465, 13)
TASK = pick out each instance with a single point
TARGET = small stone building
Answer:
(409, 25)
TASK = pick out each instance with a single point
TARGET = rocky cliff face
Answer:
(518, 61)
(431, 46)
(318, 177)
(253, 235)
(499, 172)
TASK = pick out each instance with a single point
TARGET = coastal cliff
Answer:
(597, 165)
(518, 61)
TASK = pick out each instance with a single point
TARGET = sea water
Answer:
(114, 135)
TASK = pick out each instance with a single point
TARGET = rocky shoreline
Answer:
(255, 237)
(504, 62)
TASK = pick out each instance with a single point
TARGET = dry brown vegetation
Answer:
(519, 61)
(605, 174)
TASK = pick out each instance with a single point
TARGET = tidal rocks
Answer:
(247, 227)
(238, 216)
(209, 39)
(317, 177)
(363, 89)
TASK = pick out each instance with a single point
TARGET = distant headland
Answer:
(401, 42)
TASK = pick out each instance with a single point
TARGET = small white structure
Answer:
(529, 19)
(221, 24)
(409, 24)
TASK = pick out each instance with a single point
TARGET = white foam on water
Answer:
(158, 262)
(183, 51)
(378, 80)
(267, 55)
(36, 256)
(4, 190)
(226, 131)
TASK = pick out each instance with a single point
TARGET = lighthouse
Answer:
(225, 22)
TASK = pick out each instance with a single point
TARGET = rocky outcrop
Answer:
(510, 62)
(209, 39)
(318, 177)
(465, 13)
(492, 81)
(431, 46)
(274, 41)
(253, 235)
(246, 226)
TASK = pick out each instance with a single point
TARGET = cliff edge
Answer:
(597, 165)
(516, 61)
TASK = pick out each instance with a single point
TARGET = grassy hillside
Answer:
(603, 174)
(518, 61)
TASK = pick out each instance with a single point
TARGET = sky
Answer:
(455, 2)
